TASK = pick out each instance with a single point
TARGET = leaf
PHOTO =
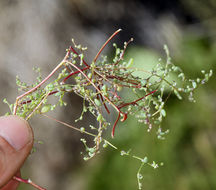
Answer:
(46, 108)
(97, 102)
(163, 112)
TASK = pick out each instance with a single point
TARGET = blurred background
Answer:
(36, 33)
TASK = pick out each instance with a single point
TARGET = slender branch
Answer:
(123, 52)
(158, 111)
(114, 126)
(28, 181)
(133, 102)
(118, 110)
(37, 107)
(70, 126)
(115, 95)
(103, 77)
(138, 175)
(137, 85)
(71, 74)
(40, 84)
(104, 45)
(76, 72)
(77, 129)
(29, 101)
(122, 79)
(94, 85)
(105, 106)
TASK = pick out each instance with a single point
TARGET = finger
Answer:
(12, 184)
(16, 140)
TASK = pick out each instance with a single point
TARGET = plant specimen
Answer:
(100, 84)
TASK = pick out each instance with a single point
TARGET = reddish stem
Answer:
(126, 104)
(68, 69)
(105, 106)
(76, 72)
(125, 115)
(122, 79)
(93, 84)
(114, 126)
(122, 54)
(40, 84)
(28, 181)
(115, 94)
(29, 101)
(26, 102)
(104, 45)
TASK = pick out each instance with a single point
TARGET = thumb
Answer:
(16, 140)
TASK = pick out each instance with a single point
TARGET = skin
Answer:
(16, 141)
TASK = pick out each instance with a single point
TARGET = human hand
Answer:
(16, 141)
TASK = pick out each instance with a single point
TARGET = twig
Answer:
(104, 45)
(77, 129)
(28, 181)
(37, 107)
(40, 84)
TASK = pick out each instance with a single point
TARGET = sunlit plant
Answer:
(99, 84)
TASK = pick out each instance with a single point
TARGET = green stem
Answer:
(77, 129)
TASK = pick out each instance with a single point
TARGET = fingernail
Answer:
(16, 131)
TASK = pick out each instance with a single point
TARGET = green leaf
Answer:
(46, 108)
(97, 102)
(99, 118)
(130, 63)
(163, 112)
(145, 160)
(177, 94)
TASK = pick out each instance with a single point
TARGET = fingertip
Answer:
(16, 131)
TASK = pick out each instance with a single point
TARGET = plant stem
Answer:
(28, 181)
(77, 129)
(104, 45)
(70, 126)
(37, 107)
(137, 99)
(123, 52)
(118, 110)
(99, 91)
(114, 126)
(138, 175)
(71, 74)
(40, 84)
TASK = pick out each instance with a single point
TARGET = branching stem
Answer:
(77, 129)
(40, 84)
